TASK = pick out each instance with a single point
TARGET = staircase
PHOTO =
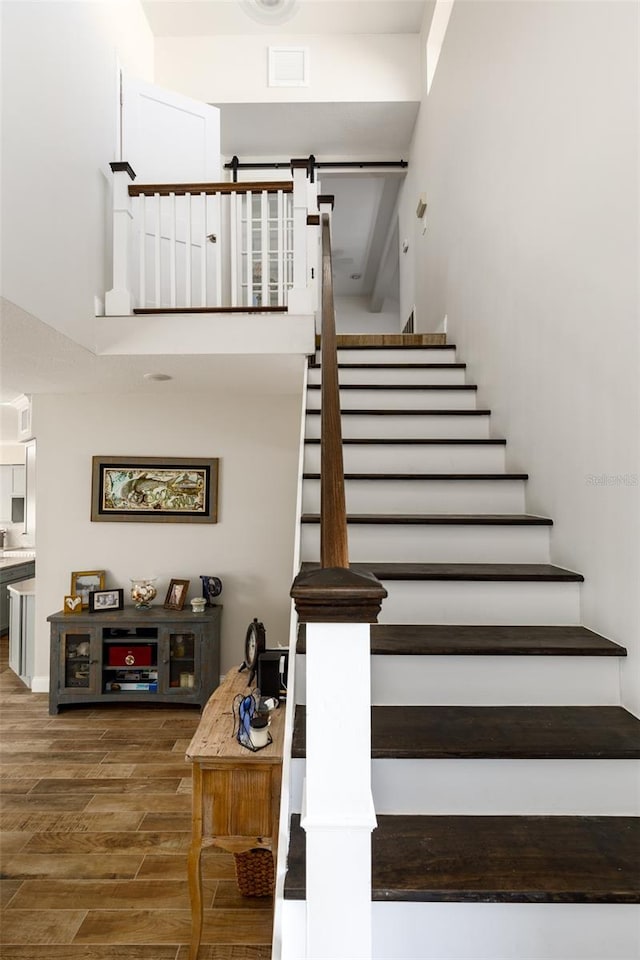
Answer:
(505, 772)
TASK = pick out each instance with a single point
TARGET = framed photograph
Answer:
(176, 594)
(155, 489)
(84, 581)
(72, 604)
(100, 601)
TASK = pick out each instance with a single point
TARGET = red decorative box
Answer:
(138, 656)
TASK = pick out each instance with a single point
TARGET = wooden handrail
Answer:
(180, 189)
(332, 593)
(334, 547)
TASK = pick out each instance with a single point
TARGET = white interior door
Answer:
(169, 138)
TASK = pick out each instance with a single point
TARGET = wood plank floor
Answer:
(95, 819)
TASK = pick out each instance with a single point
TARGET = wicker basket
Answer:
(254, 872)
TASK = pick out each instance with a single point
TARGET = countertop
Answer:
(24, 588)
(14, 558)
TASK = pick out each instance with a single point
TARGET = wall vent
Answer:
(288, 66)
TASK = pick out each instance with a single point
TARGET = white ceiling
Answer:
(180, 18)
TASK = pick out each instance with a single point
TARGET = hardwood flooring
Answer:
(95, 819)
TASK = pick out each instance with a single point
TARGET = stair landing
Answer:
(388, 340)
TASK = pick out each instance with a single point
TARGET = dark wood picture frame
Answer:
(98, 604)
(154, 489)
(176, 594)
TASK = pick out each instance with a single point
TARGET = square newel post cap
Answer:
(121, 166)
(327, 198)
(337, 595)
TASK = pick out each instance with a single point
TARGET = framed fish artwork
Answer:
(155, 489)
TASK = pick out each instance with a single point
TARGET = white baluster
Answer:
(142, 237)
(264, 248)
(172, 249)
(156, 242)
(249, 222)
(203, 253)
(118, 301)
(233, 247)
(218, 248)
(281, 239)
(187, 264)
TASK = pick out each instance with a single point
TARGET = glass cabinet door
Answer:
(77, 666)
(184, 671)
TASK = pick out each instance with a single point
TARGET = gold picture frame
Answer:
(84, 581)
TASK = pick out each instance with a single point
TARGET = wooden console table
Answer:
(236, 793)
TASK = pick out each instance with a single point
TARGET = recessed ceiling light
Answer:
(157, 376)
(270, 11)
(356, 276)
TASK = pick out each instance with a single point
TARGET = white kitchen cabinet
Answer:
(22, 602)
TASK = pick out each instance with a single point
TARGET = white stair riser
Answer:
(423, 496)
(488, 680)
(517, 603)
(436, 543)
(417, 426)
(487, 931)
(363, 399)
(391, 375)
(567, 788)
(414, 458)
(395, 355)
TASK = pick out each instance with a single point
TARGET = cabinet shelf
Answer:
(152, 635)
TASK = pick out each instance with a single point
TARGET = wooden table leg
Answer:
(194, 868)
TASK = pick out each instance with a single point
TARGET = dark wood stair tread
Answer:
(530, 859)
(493, 572)
(389, 639)
(446, 441)
(394, 366)
(441, 519)
(399, 386)
(502, 733)
(425, 476)
(411, 412)
(394, 346)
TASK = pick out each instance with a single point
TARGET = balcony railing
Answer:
(196, 247)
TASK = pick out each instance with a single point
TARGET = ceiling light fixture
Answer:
(157, 376)
(270, 11)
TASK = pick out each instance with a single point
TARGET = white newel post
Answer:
(300, 298)
(338, 814)
(119, 301)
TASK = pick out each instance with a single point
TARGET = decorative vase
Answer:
(143, 591)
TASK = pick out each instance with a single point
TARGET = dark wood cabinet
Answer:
(131, 656)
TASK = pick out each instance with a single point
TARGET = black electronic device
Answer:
(272, 673)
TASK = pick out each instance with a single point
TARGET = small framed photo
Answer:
(176, 594)
(72, 604)
(100, 601)
(84, 581)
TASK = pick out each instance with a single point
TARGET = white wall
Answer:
(11, 450)
(250, 548)
(234, 69)
(354, 316)
(59, 127)
(527, 150)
